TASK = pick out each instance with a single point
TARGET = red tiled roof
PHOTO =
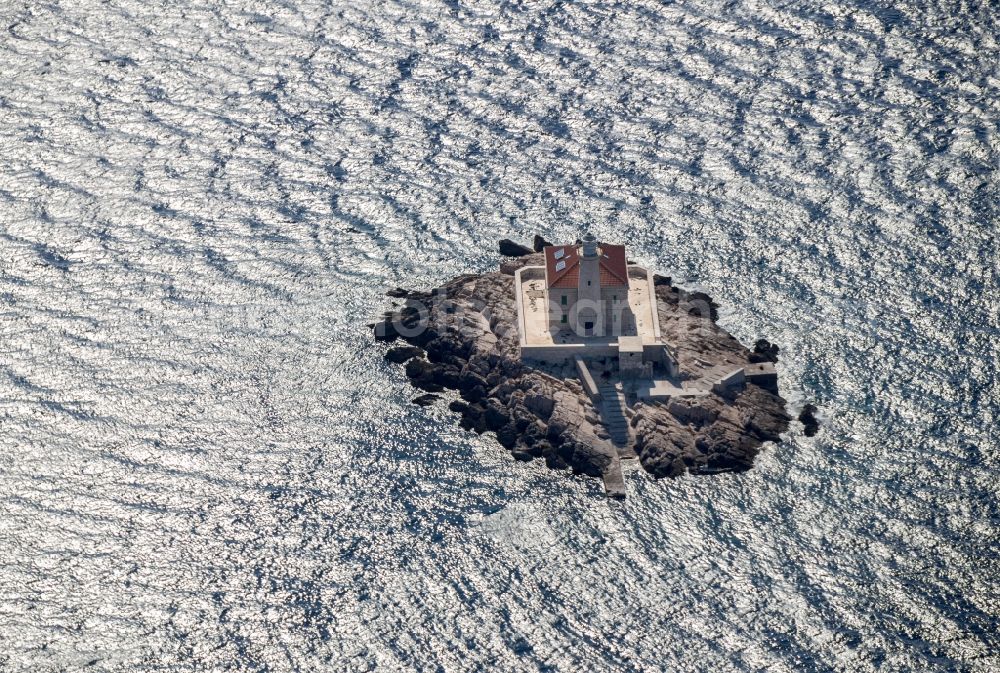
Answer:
(614, 270)
(614, 263)
(569, 275)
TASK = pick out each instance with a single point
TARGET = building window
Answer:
(563, 300)
(614, 297)
(588, 283)
(563, 319)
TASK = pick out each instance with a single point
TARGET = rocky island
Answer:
(575, 355)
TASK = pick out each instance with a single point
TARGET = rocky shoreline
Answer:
(463, 336)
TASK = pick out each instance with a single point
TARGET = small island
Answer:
(574, 355)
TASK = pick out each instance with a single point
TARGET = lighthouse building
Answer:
(586, 288)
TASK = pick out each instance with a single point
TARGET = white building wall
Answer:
(615, 300)
(558, 308)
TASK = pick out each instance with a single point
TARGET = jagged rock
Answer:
(421, 374)
(402, 293)
(808, 419)
(385, 331)
(401, 354)
(590, 456)
(474, 418)
(540, 405)
(509, 248)
(469, 379)
(554, 461)
(764, 351)
(448, 348)
(539, 243)
(507, 436)
(468, 330)
(699, 301)
(496, 416)
(474, 394)
(425, 400)
(446, 375)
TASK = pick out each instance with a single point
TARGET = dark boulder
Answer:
(410, 316)
(468, 380)
(702, 300)
(509, 248)
(539, 243)
(474, 394)
(401, 354)
(765, 433)
(496, 416)
(402, 293)
(554, 461)
(421, 374)
(474, 418)
(447, 376)
(554, 432)
(425, 400)
(385, 330)
(416, 369)
(540, 449)
(808, 419)
(481, 365)
(721, 462)
(659, 280)
(411, 322)
(448, 348)
(530, 435)
(764, 351)
(507, 436)
(424, 335)
(583, 458)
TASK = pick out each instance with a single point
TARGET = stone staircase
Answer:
(612, 410)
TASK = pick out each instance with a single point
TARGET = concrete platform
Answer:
(536, 331)
(658, 389)
(614, 481)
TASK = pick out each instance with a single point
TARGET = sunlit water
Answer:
(205, 462)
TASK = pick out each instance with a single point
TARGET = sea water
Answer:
(206, 464)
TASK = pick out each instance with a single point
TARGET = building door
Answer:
(588, 328)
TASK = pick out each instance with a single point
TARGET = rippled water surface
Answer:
(206, 464)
